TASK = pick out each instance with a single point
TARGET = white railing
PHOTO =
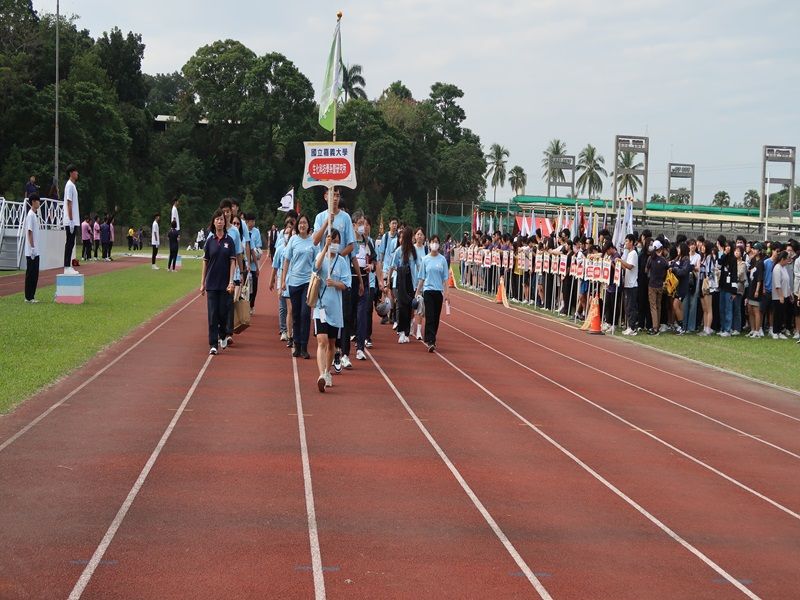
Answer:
(12, 217)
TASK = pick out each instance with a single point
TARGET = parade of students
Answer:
(298, 262)
(386, 248)
(406, 264)
(421, 249)
(256, 249)
(283, 295)
(365, 259)
(334, 273)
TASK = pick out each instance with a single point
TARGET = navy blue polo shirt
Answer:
(218, 256)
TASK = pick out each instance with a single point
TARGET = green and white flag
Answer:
(332, 85)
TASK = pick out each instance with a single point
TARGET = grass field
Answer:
(772, 361)
(7, 273)
(45, 341)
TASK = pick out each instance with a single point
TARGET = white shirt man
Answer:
(630, 262)
(71, 219)
(155, 241)
(32, 250)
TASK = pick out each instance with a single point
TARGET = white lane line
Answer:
(100, 551)
(648, 365)
(638, 387)
(313, 535)
(38, 419)
(649, 516)
(697, 461)
(529, 575)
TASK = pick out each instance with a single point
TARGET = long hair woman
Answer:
(406, 263)
(216, 281)
(681, 268)
(298, 261)
(334, 271)
(708, 286)
(421, 250)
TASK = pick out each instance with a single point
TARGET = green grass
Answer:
(772, 361)
(45, 341)
(7, 273)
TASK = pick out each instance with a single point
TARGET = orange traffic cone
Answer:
(595, 327)
(501, 297)
(451, 281)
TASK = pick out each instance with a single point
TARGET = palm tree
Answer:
(628, 182)
(752, 199)
(591, 163)
(721, 198)
(353, 82)
(555, 148)
(496, 163)
(517, 179)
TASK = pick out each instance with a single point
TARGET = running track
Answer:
(525, 460)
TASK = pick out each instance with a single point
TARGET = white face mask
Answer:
(334, 248)
(434, 246)
(361, 230)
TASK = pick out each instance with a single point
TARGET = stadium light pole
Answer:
(55, 158)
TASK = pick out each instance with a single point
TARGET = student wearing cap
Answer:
(656, 272)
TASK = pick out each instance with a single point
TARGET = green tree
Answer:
(121, 57)
(496, 166)
(449, 115)
(780, 200)
(591, 166)
(461, 172)
(18, 26)
(517, 179)
(752, 199)
(409, 214)
(628, 183)
(554, 148)
(721, 198)
(398, 89)
(362, 203)
(353, 82)
(658, 199)
(389, 211)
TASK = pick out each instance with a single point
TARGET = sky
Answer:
(709, 82)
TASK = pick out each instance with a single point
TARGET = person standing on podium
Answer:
(72, 218)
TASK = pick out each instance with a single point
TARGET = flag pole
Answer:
(333, 131)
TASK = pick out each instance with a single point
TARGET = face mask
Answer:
(650, 248)
(334, 248)
(435, 247)
(360, 230)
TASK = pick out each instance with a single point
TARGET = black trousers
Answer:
(643, 306)
(96, 247)
(218, 306)
(106, 249)
(130, 243)
(31, 277)
(173, 256)
(87, 250)
(254, 288)
(69, 245)
(433, 312)
(403, 314)
(301, 313)
(155, 253)
(631, 307)
(370, 307)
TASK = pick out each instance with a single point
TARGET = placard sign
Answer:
(330, 164)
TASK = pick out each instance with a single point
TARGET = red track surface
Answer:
(599, 477)
(15, 284)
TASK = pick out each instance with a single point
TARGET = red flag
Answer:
(582, 223)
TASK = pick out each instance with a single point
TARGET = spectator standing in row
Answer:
(96, 235)
(131, 233)
(656, 273)
(755, 291)
(32, 249)
(72, 219)
(780, 287)
(155, 240)
(630, 263)
(86, 237)
(105, 239)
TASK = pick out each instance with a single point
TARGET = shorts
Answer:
(321, 328)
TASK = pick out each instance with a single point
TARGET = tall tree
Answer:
(398, 89)
(121, 57)
(496, 166)
(752, 199)
(628, 182)
(517, 179)
(409, 214)
(592, 170)
(449, 114)
(721, 198)
(389, 211)
(554, 148)
(353, 82)
(18, 26)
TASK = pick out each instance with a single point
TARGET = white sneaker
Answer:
(283, 336)
(628, 331)
(213, 351)
(360, 355)
(394, 325)
(796, 335)
(328, 379)
(368, 344)
(400, 339)
(419, 332)
(223, 343)
(724, 334)
(346, 362)
(664, 328)
(70, 271)
(734, 332)
(156, 268)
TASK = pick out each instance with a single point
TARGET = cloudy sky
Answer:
(709, 82)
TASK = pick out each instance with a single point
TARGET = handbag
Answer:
(706, 289)
(312, 295)
(241, 315)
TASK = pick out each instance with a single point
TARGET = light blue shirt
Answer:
(421, 252)
(301, 254)
(330, 298)
(245, 233)
(255, 242)
(342, 222)
(233, 233)
(435, 273)
(415, 264)
(387, 252)
(277, 264)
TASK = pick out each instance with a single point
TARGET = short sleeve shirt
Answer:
(435, 272)
(342, 222)
(631, 275)
(71, 197)
(218, 254)
(32, 225)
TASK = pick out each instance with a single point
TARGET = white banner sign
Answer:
(329, 164)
